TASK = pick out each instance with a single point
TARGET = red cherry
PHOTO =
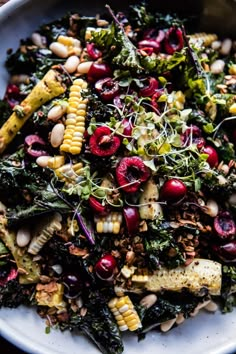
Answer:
(212, 155)
(150, 87)
(173, 190)
(132, 219)
(224, 225)
(128, 127)
(105, 267)
(149, 43)
(107, 88)
(103, 143)
(174, 40)
(93, 52)
(98, 71)
(96, 205)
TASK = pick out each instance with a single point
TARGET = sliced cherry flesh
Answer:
(107, 88)
(132, 219)
(224, 225)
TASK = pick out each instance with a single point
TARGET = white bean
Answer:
(42, 161)
(222, 180)
(166, 326)
(211, 306)
(232, 199)
(216, 45)
(37, 40)
(211, 208)
(226, 46)
(57, 135)
(180, 318)
(217, 66)
(71, 64)
(23, 237)
(148, 300)
(59, 49)
(56, 112)
(84, 67)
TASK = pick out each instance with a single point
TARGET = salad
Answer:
(118, 174)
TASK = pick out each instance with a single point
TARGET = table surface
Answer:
(6, 347)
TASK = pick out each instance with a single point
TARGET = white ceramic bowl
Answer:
(205, 334)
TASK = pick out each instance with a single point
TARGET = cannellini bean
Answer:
(84, 67)
(180, 318)
(148, 300)
(199, 307)
(217, 66)
(166, 326)
(71, 64)
(211, 208)
(211, 307)
(59, 49)
(37, 40)
(57, 135)
(222, 180)
(42, 161)
(226, 46)
(232, 199)
(20, 79)
(56, 112)
(216, 45)
(23, 237)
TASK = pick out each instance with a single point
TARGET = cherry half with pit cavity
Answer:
(103, 142)
(173, 41)
(107, 88)
(224, 225)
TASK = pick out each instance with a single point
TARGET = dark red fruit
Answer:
(149, 43)
(173, 190)
(12, 95)
(226, 252)
(132, 219)
(193, 134)
(103, 142)
(107, 88)
(105, 267)
(224, 225)
(130, 173)
(34, 144)
(150, 87)
(72, 285)
(13, 273)
(160, 36)
(212, 155)
(173, 40)
(128, 127)
(96, 205)
(92, 51)
(98, 71)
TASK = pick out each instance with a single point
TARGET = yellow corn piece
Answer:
(125, 314)
(198, 275)
(46, 89)
(109, 223)
(75, 119)
(232, 109)
(73, 44)
(141, 279)
(44, 231)
(205, 38)
(56, 161)
(69, 172)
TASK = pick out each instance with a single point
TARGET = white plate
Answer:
(205, 334)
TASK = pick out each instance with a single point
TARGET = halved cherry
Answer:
(93, 52)
(98, 71)
(103, 142)
(132, 219)
(193, 134)
(131, 172)
(173, 40)
(224, 225)
(149, 43)
(96, 205)
(107, 88)
(150, 87)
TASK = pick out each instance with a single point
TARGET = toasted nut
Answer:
(57, 135)
(23, 237)
(148, 300)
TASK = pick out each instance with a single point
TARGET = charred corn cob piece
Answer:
(75, 119)
(109, 223)
(29, 270)
(56, 162)
(200, 274)
(125, 314)
(44, 232)
(49, 87)
(205, 38)
(69, 172)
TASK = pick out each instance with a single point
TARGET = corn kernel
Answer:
(232, 108)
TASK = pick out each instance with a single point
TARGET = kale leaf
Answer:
(14, 294)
